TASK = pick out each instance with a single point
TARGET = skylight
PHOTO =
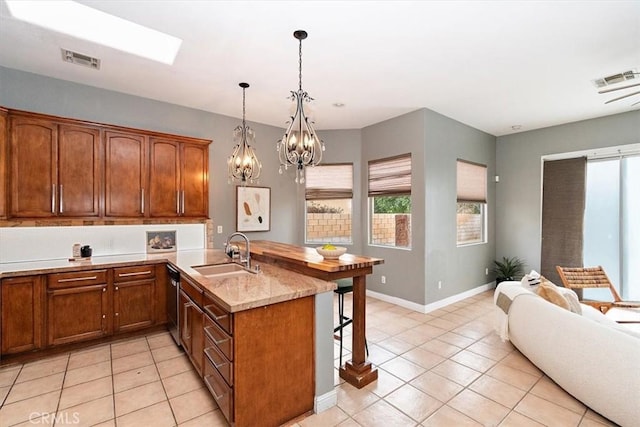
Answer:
(90, 24)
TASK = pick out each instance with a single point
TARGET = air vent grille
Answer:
(80, 59)
(615, 78)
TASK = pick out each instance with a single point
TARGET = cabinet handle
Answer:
(61, 202)
(104, 289)
(137, 273)
(178, 202)
(213, 362)
(210, 312)
(142, 200)
(79, 279)
(117, 314)
(53, 198)
(116, 288)
(187, 328)
(182, 203)
(104, 316)
(215, 396)
(212, 338)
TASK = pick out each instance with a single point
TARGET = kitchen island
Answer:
(358, 371)
(251, 337)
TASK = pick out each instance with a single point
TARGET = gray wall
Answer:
(519, 159)
(435, 143)
(32, 92)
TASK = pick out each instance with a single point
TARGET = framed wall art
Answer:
(253, 208)
(161, 241)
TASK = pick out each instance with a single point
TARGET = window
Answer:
(390, 202)
(328, 194)
(472, 201)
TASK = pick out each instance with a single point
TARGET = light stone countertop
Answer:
(236, 293)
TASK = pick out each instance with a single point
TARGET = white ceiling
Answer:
(490, 65)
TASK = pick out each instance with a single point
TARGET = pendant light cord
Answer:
(300, 66)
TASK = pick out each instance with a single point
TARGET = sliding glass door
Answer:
(612, 223)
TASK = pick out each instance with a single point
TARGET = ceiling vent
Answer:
(615, 78)
(80, 59)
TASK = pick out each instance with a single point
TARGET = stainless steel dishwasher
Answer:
(173, 299)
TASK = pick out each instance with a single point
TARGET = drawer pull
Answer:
(215, 317)
(206, 351)
(77, 279)
(212, 388)
(137, 273)
(212, 338)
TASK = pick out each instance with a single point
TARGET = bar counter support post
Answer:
(358, 371)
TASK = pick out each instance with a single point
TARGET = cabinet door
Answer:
(4, 150)
(77, 314)
(134, 306)
(192, 331)
(22, 313)
(164, 178)
(33, 145)
(125, 174)
(78, 171)
(195, 180)
(185, 321)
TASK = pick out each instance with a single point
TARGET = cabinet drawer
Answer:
(127, 274)
(219, 361)
(222, 393)
(218, 314)
(194, 292)
(219, 337)
(76, 278)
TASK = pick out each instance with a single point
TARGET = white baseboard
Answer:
(422, 308)
(325, 401)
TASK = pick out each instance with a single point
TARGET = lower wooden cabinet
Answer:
(77, 306)
(191, 323)
(22, 308)
(134, 302)
(259, 363)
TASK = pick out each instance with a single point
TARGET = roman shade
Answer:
(390, 176)
(471, 182)
(334, 181)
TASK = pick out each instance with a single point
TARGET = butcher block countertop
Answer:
(236, 293)
(307, 260)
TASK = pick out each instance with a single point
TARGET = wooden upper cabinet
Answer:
(179, 179)
(164, 178)
(33, 152)
(125, 174)
(52, 167)
(4, 150)
(78, 171)
(195, 180)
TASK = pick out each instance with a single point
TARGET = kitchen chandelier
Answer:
(243, 163)
(300, 146)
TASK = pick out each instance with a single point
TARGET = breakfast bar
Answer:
(358, 371)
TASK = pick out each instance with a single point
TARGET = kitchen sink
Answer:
(222, 270)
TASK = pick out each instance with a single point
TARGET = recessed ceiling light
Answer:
(90, 24)
(516, 127)
(338, 104)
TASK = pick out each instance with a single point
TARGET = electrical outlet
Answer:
(219, 229)
(383, 279)
(439, 284)
(486, 271)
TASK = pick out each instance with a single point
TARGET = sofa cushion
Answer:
(551, 293)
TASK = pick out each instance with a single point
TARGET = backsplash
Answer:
(18, 244)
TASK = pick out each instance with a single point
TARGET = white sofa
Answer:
(589, 355)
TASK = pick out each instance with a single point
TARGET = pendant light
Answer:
(243, 163)
(300, 146)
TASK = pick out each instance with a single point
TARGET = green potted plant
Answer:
(508, 269)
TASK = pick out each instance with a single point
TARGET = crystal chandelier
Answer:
(300, 145)
(243, 163)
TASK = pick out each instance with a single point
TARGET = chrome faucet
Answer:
(234, 253)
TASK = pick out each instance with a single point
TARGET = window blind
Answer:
(471, 182)
(333, 181)
(390, 176)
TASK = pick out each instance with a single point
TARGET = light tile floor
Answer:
(445, 368)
